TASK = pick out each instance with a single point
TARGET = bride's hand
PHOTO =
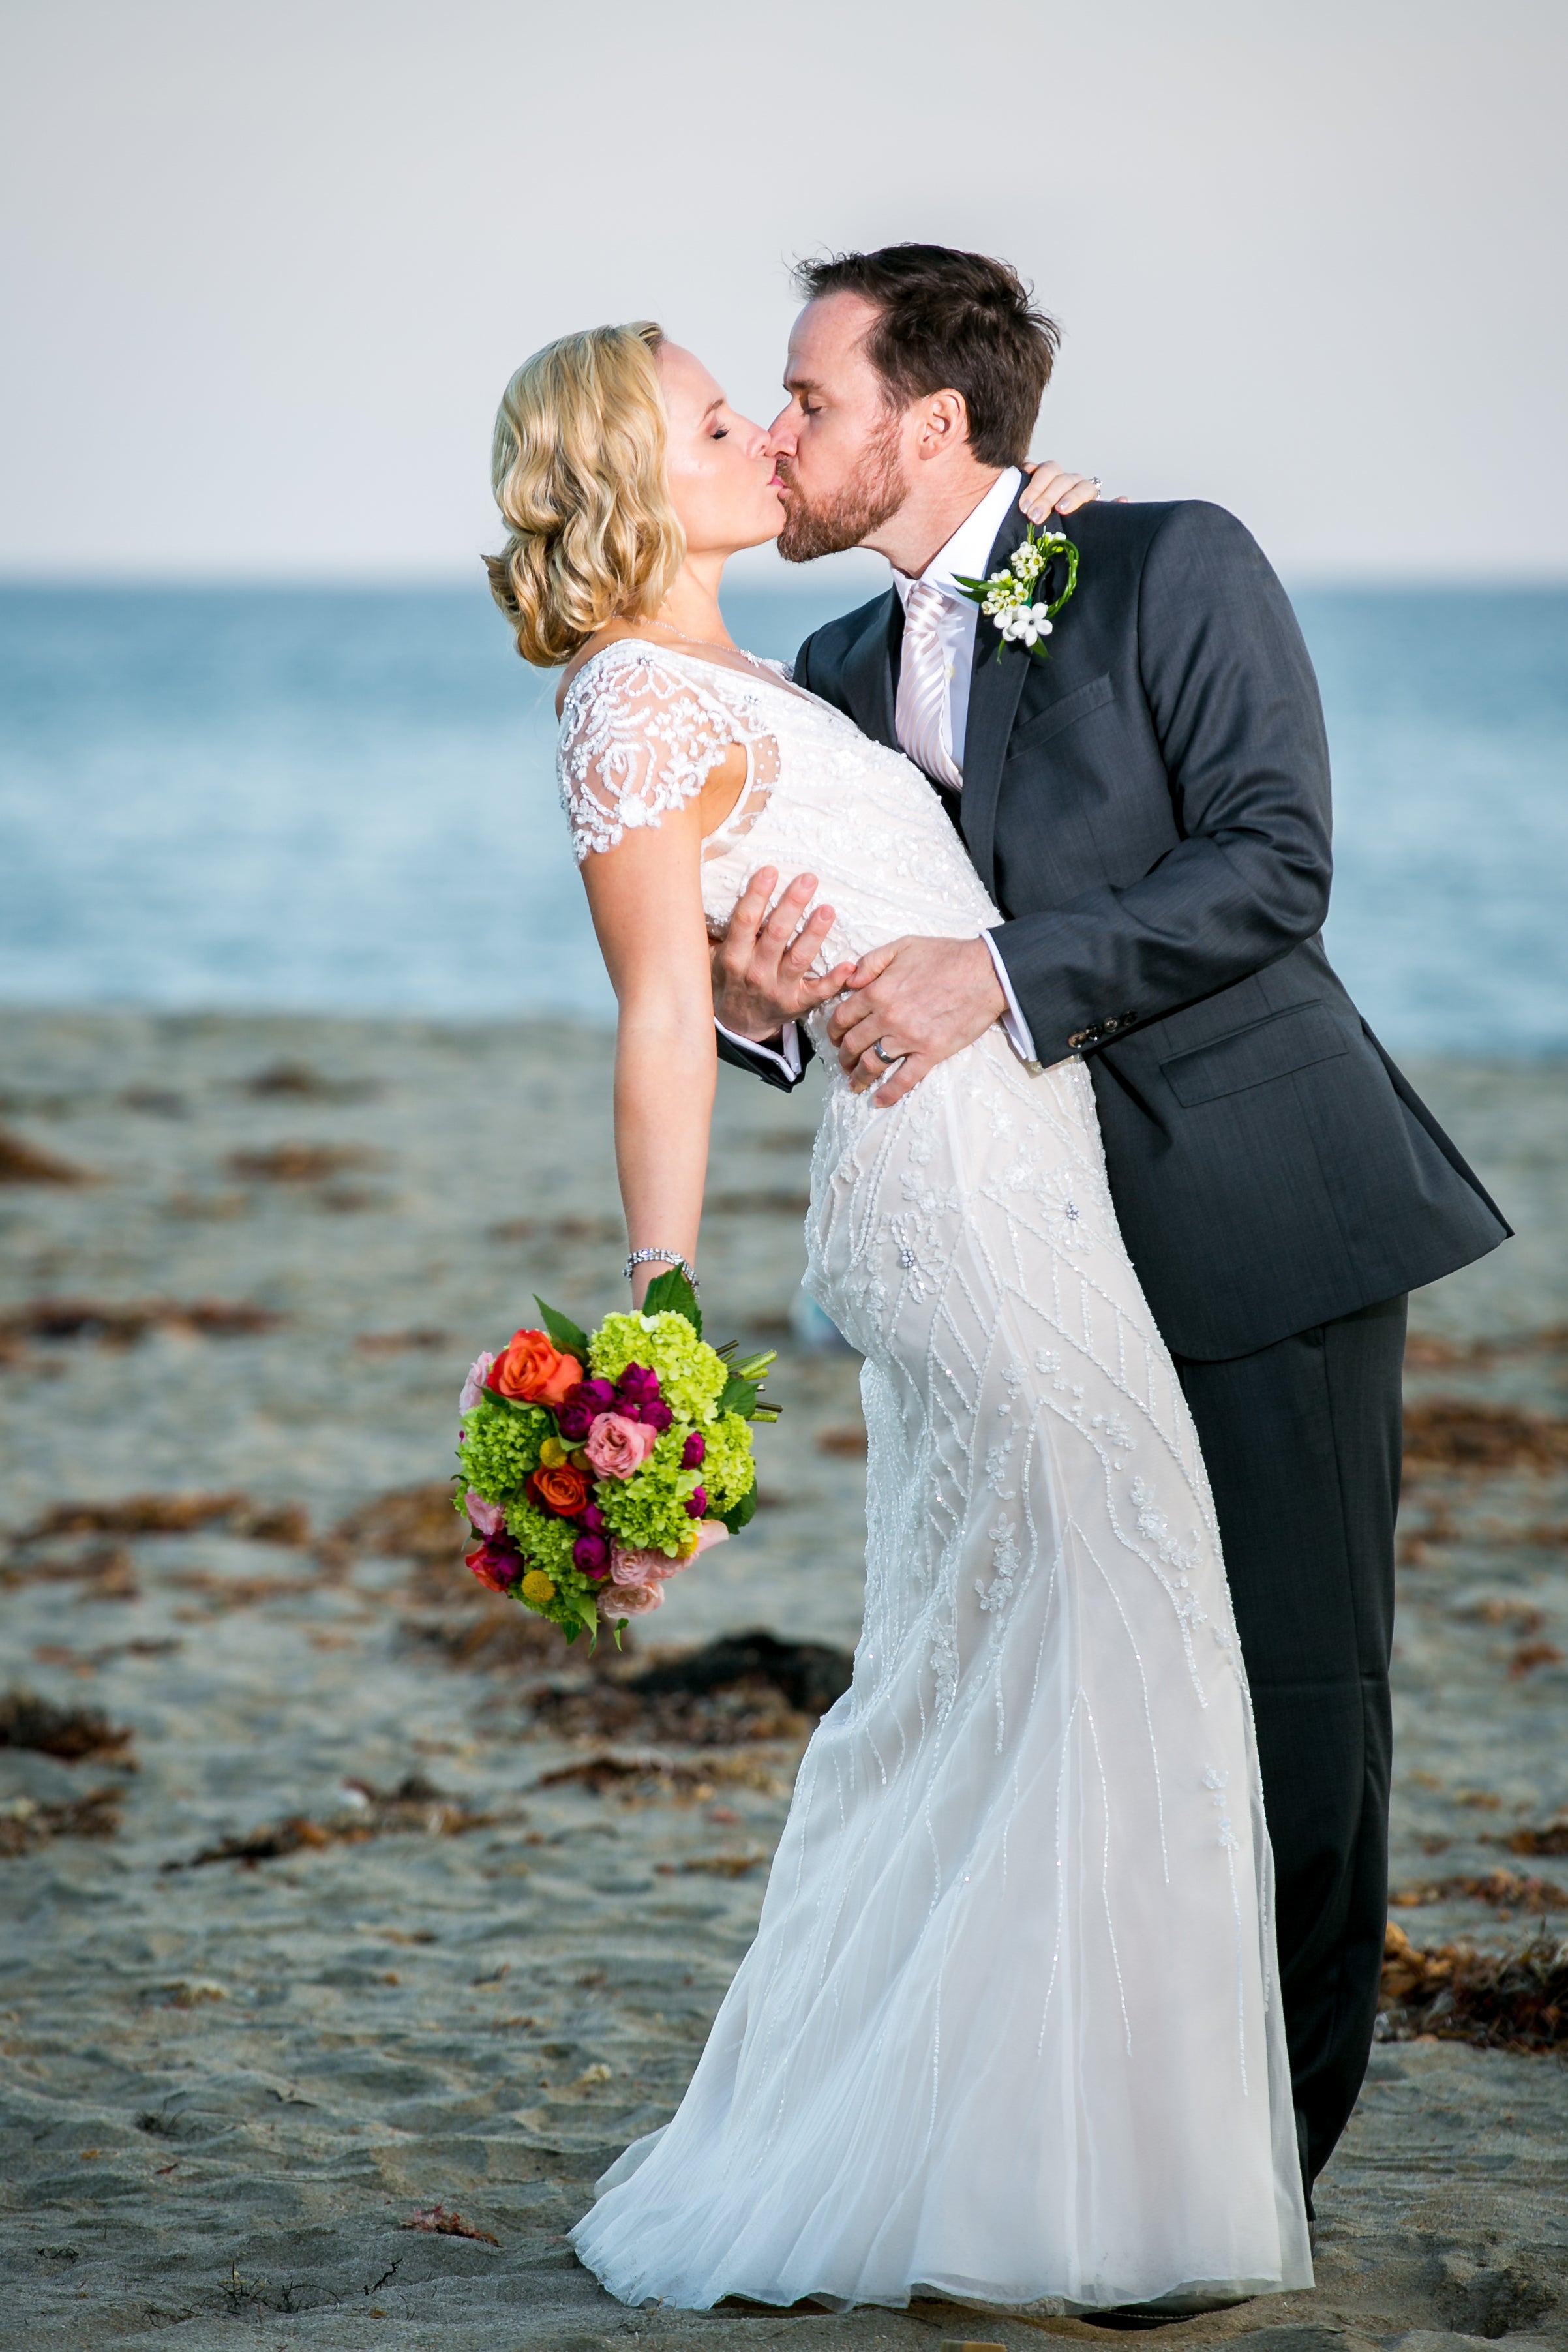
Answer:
(1051, 489)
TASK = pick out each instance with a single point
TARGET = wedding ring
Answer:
(1095, 479)
(882, 1053)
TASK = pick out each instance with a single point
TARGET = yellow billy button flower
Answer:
(551, 1453)
(536, 1587)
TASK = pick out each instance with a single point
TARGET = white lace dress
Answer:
(1009, 2031)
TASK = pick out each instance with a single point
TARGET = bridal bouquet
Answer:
(595, 1465)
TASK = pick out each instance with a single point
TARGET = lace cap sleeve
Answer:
(638, 738)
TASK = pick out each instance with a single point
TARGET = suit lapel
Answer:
(995, 688)
(868, 672)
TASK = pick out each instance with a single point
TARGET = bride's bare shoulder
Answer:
(613, 633)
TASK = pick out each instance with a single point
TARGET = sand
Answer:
(229, 2087)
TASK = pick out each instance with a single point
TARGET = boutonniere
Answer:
(1008, 597)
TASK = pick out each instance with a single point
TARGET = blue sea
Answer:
(342, 799)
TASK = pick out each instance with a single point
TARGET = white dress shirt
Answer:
(966, 552)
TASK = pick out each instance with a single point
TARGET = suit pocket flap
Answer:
(1094, 695)
(1266, 1049)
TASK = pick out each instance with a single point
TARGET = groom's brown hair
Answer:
(950, 321)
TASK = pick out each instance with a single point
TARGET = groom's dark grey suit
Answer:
(1149, 809)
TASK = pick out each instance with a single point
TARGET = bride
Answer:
(1009, 2032)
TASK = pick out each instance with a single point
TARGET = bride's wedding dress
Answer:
(1009, 2029)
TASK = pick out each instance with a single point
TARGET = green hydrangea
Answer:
(647, 1512)
(500, 1447)
(691, 1377)
(545, 1542)
(728, 1469)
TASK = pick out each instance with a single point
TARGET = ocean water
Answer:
(340, 800)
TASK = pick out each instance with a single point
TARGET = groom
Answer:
(1150, 811)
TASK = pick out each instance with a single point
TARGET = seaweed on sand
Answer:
(174, 1514)
(1512, 2001)
(1458, 1433)
(1505, 1890)
(70, 1733)
(22, 1163)
(121, 1323)
(1551, 1838)
(415, 1808)
(25, 1826)
(302, 1164)
(741, 1687)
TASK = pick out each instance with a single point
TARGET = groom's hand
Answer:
(922, 999)
(762, 967)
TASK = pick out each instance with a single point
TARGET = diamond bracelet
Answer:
(660, 1257)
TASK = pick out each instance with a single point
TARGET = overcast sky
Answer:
(267, 263)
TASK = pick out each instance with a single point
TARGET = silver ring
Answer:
(1095, 479)
(882, 1053)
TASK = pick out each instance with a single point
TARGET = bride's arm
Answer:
(646, 899)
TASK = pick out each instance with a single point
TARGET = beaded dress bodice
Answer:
(642, 729)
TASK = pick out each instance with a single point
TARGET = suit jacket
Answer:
(1150, 811)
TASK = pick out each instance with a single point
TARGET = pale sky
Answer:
(267, 264)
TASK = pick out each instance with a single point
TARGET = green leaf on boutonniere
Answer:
(1009, 599)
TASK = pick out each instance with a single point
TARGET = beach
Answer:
(328, 1990)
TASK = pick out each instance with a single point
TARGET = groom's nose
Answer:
(781, 436)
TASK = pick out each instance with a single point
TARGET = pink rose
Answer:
(488, 1518)
(629, 1601)
(628, 1567)
(710, 1532)
(474, 1386)
(617, 1447)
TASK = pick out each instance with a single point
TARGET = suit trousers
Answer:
(1302, 1440)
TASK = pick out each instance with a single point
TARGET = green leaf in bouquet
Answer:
(671, 1294)
(562, 1333)
(740, 1515)
(738, 1396)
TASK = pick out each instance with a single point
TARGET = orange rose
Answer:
(530, 1370)
(562, 1490)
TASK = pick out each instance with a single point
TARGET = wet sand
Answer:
(230, 2086)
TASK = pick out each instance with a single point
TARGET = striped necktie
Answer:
(923, 715)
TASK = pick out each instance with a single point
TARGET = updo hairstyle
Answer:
(578, 470)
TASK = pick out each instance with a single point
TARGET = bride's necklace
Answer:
(714, 644)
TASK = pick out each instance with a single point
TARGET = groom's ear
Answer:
(942, 424)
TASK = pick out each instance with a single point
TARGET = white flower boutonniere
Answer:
(1009, 597)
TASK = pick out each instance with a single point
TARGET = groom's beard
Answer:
(874, 493)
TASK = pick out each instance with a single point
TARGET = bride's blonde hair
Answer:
(578, 470)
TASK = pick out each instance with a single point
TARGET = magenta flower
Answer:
(591, 1554)
(617, 1447)
(695, 1451)
(697, 1502)
(592, 1518)
(573, 1421)
(486, 1519)
(639, 1385)
(657, 1416)
(496, 1565)
(474, 1386)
